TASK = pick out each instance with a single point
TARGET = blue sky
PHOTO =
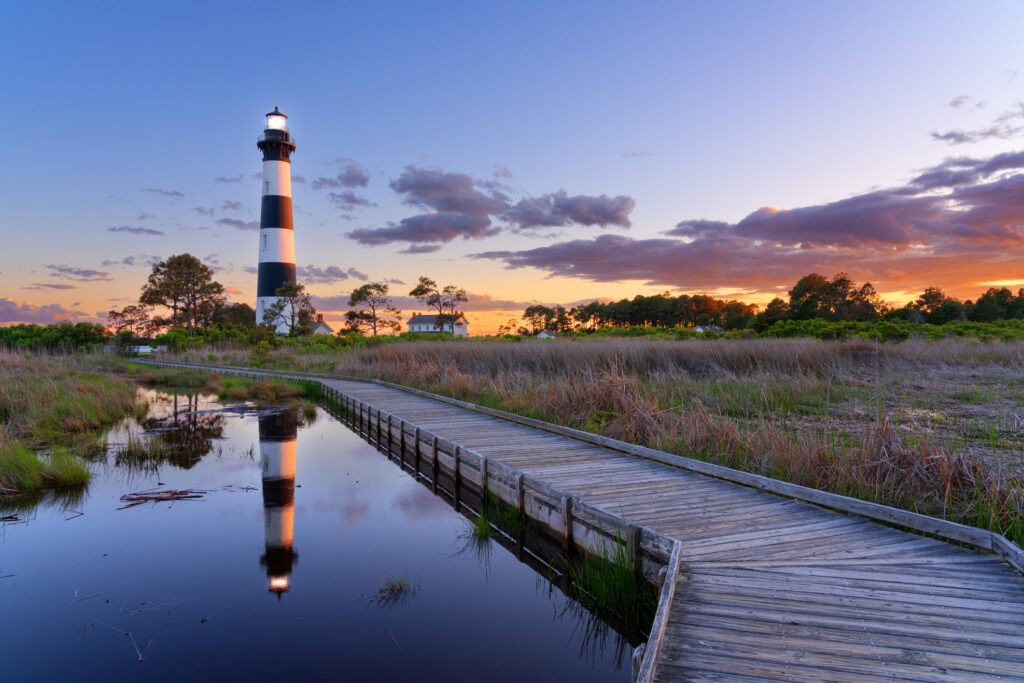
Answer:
(692, 111)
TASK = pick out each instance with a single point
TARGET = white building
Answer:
(544, 334)
(320, 327)
(428, 323)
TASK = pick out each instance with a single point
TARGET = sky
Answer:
(528, 152)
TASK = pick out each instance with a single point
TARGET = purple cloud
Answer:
(347, 200)
(315, 275)
(446, 192)
(233, 179)
(135, 230)
(421, 249)
(428, 227)
(165, 193)
(50, 285)
(350, 175)
(239, 224)
(80, 274)
(558, 209)
(12, 311)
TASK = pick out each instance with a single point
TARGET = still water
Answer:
(277, 570)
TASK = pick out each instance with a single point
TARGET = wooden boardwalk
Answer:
(770, 588)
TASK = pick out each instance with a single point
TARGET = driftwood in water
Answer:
(141, 497)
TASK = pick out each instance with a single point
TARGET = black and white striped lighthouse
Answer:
(277, 238)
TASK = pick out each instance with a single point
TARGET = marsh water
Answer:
(303, 553)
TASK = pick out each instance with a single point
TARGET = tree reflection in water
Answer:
(188, 433)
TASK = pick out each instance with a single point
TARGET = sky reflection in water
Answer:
(269, 577)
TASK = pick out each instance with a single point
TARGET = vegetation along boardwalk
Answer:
(766, 580)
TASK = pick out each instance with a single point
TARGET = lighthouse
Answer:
(277, 238)
(277, 460)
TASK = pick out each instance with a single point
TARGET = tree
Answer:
(931, 299)
(186, 286)
(777, 310)
(235, 316)
(292, 309)
(376, 310)
(445, 301)
(131, 319)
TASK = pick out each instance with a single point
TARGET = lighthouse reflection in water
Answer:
(277, 458)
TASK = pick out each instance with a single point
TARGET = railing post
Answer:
(456, 474)
(483, 479)
(521, 494)
(433, 464)
(416, 452)
(633, 545)
(389, 436)
(567, 522)
(401, 442)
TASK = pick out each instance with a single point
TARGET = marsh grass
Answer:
(925, 426)
(53, 409)
(609, 581)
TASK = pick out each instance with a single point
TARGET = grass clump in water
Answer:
(612, 582)
(22, 470)
(394, 591)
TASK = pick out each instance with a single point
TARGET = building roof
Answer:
(321, 325)
(432, 319)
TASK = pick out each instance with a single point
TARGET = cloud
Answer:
(298, 178)
(347, 200)
(502, 172)
(942, 227)
(428, 227)
(165, 193)
(1007, 125)
(636, 155)
(227, 205)
(239, 224)
(446, 192)
(139, 260)
(314, 275)
(232, 290)
(232, 179)
(145, 216)
(357, 274)
(558, 209)
(959, 101)
(80, 274)
(135, 230)
(50, 285)
(421, 249)
(202, 211)
(393, 281)
(12, 311)
(350, 175)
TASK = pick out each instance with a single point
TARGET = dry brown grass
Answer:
(923, 426)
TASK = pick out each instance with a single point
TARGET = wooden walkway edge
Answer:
(768, 581)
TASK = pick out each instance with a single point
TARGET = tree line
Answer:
(813, 297)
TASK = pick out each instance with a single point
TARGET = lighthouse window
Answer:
(264, 241)
(266, 186)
